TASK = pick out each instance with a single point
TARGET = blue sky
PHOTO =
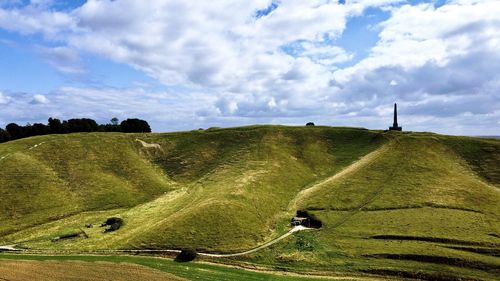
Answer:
(185, 65)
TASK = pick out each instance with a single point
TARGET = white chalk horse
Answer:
(149, 145)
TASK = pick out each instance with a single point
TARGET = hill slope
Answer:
(391, 203)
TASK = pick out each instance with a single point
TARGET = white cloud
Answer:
(39, 99)
(325, 54)
(64, 59)
(416, 35)
(37, 18)
(220, 44)
(217, 44)
(4, 99)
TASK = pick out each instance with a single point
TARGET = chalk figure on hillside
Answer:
(148, 145)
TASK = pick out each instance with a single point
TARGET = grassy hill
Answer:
(404, 204)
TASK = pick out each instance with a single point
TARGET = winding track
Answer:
(9, 248)
(293, 230)
(356, 165)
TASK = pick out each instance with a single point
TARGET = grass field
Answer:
(410, 205)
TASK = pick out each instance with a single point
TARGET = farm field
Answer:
(75, 270)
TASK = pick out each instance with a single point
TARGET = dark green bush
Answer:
(112, 224)
(113, 220)
(312, 222)
(186, 255)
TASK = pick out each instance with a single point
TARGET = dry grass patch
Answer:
(20, 270)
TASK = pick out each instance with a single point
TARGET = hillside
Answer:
(405, 204)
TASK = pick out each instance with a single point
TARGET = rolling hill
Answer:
(415, 205)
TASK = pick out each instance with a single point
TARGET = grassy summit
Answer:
(391, 203)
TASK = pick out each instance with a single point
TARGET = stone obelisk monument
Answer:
(395, 126)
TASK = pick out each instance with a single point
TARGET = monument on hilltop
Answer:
(395, 126)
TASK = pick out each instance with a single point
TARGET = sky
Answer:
(184, 65)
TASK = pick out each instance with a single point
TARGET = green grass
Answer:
(228, 190)
(481, 155)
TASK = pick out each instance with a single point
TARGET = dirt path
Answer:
(293, 230)
(365, 160)
(36, 145)
(8, 248)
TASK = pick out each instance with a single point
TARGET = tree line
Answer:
(14, 131)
